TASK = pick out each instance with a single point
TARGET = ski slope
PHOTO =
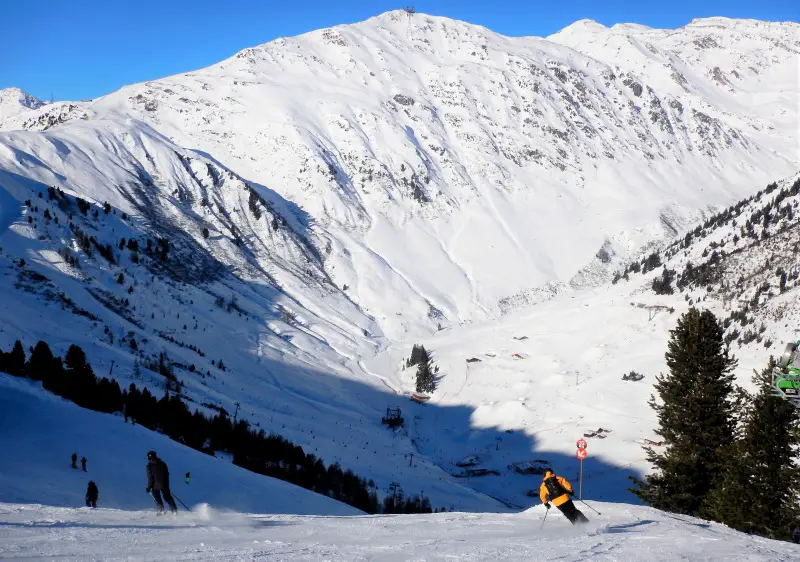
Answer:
(622, 533)
(40, 432)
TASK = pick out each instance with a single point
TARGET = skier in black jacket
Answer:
(91, 495)
(158, 482)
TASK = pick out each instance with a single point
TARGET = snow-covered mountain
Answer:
(503, 162)
(14, 102)
(286, 223)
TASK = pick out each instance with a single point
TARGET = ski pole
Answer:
(180, 500)
(545, 519)
(590, 507)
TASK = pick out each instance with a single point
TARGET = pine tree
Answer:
(76, 360)
(426, 379)
(759, 491)
(695, 415)
(41, 364)
(16, 360)
(418, 353)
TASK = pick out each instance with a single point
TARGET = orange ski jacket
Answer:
(557, 484)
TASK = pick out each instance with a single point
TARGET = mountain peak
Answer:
(582, 27)
(19, 97)
(14, 101)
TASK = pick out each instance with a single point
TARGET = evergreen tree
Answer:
(426, 378)
(15, 361)
(418, 353)
(695, 415)
(42, 364)
(759, 491)
(76, 360)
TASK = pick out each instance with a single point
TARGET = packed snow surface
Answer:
(622, 533)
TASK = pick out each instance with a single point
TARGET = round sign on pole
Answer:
(581, 453)
(581, 444)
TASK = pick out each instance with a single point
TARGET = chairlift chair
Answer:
(786, 374)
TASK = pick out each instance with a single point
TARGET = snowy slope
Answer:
(41, 431)
(623, 533)
(743, 263)
(572, 352)
(292, 367)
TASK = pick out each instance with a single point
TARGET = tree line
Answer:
(729, 454)
(269, 454)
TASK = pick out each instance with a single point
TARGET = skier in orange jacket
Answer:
(558, 490)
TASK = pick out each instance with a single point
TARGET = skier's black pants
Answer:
(167, 497)
(91, 503)
(572, 513)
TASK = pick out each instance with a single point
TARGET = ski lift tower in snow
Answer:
(786, 374)
(393, 418)
(410, 11)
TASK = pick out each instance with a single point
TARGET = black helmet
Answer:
(151, 455)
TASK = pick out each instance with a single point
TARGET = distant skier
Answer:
(558, 490)
(187, 477)
(91, 495)
(83, 463)
(158, 482)
(74, 460)
(796, 535)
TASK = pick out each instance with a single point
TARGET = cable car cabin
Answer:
(786, 375)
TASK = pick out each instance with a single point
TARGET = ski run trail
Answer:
(623, 532)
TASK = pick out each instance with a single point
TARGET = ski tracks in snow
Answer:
(623, 533)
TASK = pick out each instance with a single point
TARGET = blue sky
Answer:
(79, 49)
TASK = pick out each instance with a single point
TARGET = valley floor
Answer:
(623, 532)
